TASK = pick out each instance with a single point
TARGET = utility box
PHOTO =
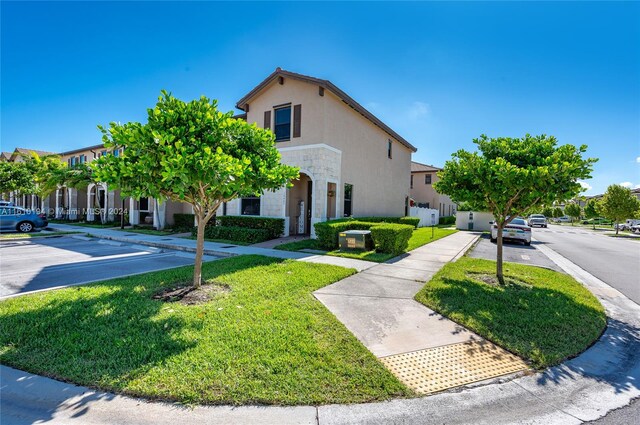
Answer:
(356, 239)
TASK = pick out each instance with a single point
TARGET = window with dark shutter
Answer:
(282, 124)
(297, 116)
(267, 119)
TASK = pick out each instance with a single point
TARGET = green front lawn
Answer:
(34, 235)
(545, 317)
(264, 340)
(167, 232)
(421, 236)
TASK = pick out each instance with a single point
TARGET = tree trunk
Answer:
(617, 227)
(197, 268)
(499, 274)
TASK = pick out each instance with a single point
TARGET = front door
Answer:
(308, 206)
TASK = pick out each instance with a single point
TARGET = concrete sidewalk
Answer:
(211, 248)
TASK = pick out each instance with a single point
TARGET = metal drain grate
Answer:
(437, 369)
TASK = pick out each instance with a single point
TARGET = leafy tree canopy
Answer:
(573, 210)
(619, 204)
(15, 177)
(513, 176)
(190, 151)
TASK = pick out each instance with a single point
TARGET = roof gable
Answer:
(326, 85)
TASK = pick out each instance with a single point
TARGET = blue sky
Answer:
(439, 74)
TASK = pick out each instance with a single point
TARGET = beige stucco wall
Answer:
(425, 193)
(380, 184)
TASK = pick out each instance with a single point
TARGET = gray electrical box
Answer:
(356, 239)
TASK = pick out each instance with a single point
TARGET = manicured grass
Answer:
(267, 341)
(33, 235)
(86, 224)
(421, 236)
(150, 232)
(550, 318)
(224, 241)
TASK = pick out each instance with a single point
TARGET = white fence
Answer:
(427, 216)
(473, 220)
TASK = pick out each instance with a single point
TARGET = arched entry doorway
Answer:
(300, 205)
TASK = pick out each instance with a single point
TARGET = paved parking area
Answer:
(513, 252)
(43, 263)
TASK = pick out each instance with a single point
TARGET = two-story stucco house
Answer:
(351, 163)
(423, 177)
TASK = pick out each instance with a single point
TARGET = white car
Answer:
(517, 230)
(537, 220)
(564, 219)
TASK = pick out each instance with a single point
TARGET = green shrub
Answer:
(391, 238)
(232, 233)
(411, 221)
(327, 232)
(447, 220)
(183, 221)
(273, 226)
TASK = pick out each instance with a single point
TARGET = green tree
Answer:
(547, 212)
(512, 176)
(574, 211)
(192, 152)
(557, 212)
(15, 177)
(48, 173)
(591, 211)
(619, 204)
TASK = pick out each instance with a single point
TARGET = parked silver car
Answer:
(537, 220)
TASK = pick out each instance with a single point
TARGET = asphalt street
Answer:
(30, 265)
(514, 252)
(615, 261)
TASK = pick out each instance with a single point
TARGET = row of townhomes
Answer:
(351, 164)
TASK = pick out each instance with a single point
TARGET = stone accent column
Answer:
(110, 205)
(58, 209)
(90, 215)
(134, 214)
(73, 203)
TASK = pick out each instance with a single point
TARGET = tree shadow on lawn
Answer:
(540, 324)
(104, 335)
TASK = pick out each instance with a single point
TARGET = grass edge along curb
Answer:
(551, 319)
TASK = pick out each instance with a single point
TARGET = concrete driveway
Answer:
(513, 252)
(44, 263)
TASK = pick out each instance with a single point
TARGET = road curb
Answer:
(466, 248)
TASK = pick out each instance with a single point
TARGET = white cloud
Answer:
(585, 186)
(626, 184)
(419, 109)
(638, 160)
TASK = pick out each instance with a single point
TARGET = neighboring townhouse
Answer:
(351, 163)
(423, 177)
(18, 155)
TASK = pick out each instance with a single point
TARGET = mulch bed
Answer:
(188, 295)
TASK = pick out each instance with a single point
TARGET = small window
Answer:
(250, 205)
(116, 152)
(411, 181)
(348, 194)
(427, 179)
(283, 123)
(103, 153)
(389, 148)
(82, 159)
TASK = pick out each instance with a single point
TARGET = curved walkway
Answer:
(605, 377)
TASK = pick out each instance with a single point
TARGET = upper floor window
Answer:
(282, 123)
(83, 159)
(389, 147)
(427, 179)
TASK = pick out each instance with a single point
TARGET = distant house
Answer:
(423, 177)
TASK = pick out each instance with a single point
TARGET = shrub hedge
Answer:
(391, 238)
(234, 233)
(273, 226)
(183, 221)
(327, 232)
(447, 220)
